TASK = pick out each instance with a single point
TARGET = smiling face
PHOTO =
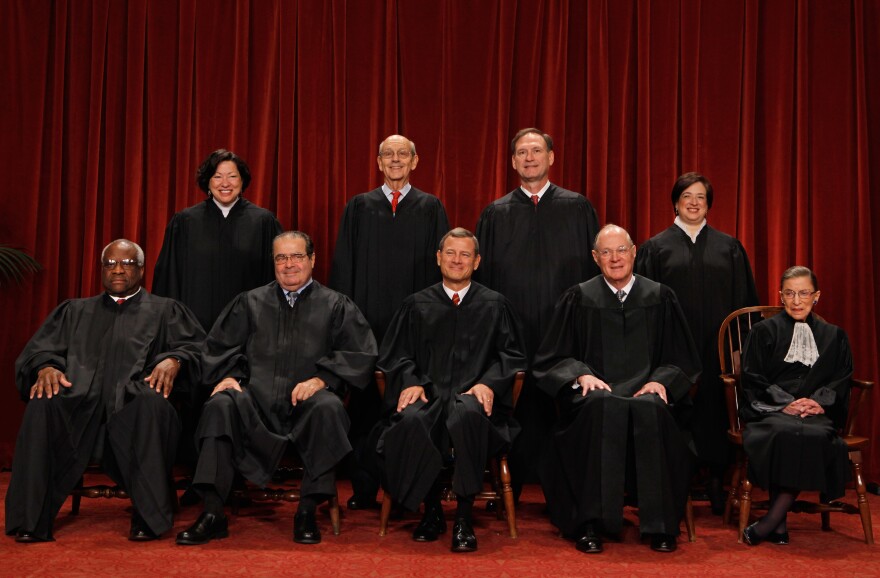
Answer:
(225, 184)
(798, 297)
(458, 261)
(531, 159)
(121, 280)
(693, 205)
(615, 255)
(291, 273)
(396, 161)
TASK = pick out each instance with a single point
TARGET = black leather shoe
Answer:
(139, 531)
(30, 538)
(206, 528)
(463, 538)
(363, 503)
(432, 525)
(778, 538)
(305, 528)
(750, 535)
(663, 543)
(589, 544)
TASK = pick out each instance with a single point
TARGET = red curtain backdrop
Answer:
(108, 107)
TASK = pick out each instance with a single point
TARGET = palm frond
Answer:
(14, 263)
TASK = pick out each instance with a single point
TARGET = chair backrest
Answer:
(517, 384)
(731, 339)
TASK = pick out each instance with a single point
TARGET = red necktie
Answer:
(120, 301)
(535, 200)
(395, 196)
(455, 299)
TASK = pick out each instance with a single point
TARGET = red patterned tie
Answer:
(535, 200)
(395, 196)
(455, 299)
(120, 301)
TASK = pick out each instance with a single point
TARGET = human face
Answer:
(225, 184)
(692, 205)
(531, 159)
(120, 281)
(615, 257)
(290, 274)
(798, 307)
(458, 261)
(396, 161)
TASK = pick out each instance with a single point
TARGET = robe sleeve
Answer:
(833, 396)
(745, 292)
(343, 266)
(224, 353)
(397, 356)
(47, 348)
(646, 263)
(184, 339)
(510, 353)
(166, 275)
(679, 366)
(557, 363)
(353, 350)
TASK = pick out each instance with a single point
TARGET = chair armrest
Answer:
(731, 382)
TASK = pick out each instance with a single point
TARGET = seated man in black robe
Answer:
(282, 357)
(91, 375)
(617, 357)
(450, 356)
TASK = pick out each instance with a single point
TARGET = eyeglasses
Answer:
(620, 251)
(402, 155)
(788, 294)
(293, 257)
(127, 264)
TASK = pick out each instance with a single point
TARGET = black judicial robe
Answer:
(207, 259)
(789, 451)
(711, 278)
(531, 255)
(270, 347)
(627, 345)
(105, 350)
(382, 258)
(447, 349)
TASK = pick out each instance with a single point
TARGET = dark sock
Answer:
(308, 504)
(213, 501)
(465, 507)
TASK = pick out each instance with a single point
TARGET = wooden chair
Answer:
(498, 489)
(107, 491)
(731, 338)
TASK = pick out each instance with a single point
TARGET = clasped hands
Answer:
(484, 394)
(590, 383)
(803, 407)
(301, 391)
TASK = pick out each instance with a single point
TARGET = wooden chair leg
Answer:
(495, 469)
(507, 492)
(689, 521)
(384, 514)
(745, 505)
(734, 489)
(334, 513)
(864, 511)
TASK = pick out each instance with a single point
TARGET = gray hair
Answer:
(612, 226)
(412, 145)
(460, 233)
(137, 248)
(799, 271)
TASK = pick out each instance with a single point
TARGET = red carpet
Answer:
(94, 544)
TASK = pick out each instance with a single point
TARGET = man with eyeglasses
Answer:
(618, 359)
(384, 253)
(281, 358)
(97, 376)
(536, 243)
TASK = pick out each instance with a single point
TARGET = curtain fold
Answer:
(109, 107)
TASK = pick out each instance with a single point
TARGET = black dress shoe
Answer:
(463, 538)
(778, 538)
(363, 503)
(432, 525)
(750, 535)
(30, 538)
(206, 528)
(589, 544)
(139, 531)
(305, 528)
(663, 543)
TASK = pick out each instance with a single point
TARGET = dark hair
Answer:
(799, 271)
(531, 130)
(686, 180)
(310, 247)
(460, 233)
(209, 166)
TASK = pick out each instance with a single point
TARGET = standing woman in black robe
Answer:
(795, 396)
(212, 252)
(711, 276)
